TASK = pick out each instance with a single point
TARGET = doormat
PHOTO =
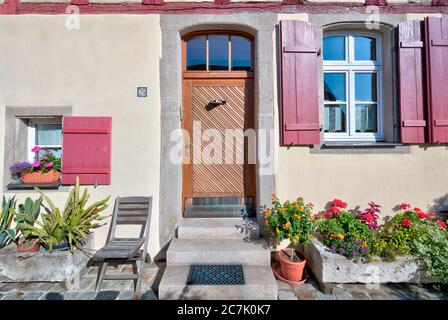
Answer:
(204, 274)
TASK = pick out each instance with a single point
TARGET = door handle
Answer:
(216, 102)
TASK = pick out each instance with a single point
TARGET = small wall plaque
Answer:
(142, 92)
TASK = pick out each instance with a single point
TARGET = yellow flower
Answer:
(268, 213)
(281, 210)
(287, 225)
(301, 209)
(266, 222)
(310, 237)
(340, 236)
(277, 230)
(296, 239)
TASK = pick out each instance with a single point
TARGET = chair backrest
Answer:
(132, 211)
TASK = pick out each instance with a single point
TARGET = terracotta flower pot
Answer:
(292, 271)
(31, 246)
(39, 177)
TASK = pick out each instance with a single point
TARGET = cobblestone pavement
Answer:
(123, 289)
(310, 291)
(85, 290)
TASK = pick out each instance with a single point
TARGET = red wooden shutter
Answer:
(437, 76)
(299, 110)
(411, 82)
(86, 150)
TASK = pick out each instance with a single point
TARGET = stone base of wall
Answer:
(330, 267)
(42, 266)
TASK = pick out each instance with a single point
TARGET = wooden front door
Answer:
(218, 109)
(218, 167)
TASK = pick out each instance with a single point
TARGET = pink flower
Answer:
(315, 216)
(36, 149)
(48, 151)
(44, 159)
(339, 203)
(49, 164)
(36, 164)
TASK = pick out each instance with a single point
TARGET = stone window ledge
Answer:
(22, 186)
(359, 147)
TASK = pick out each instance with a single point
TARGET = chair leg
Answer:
(140, 273)
(101, 273)
(135, 271)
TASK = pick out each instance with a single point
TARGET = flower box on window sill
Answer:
(39, 177)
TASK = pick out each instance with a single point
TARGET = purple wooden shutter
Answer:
(437, 78)
(411, 82)
(86, 150)
(299, 110)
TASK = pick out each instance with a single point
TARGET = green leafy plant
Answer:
(7, 234)
(291, 221)
(71, 225)
(26, 217)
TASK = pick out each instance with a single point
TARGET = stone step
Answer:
(218, 251)
(260, 284)
(218, 228)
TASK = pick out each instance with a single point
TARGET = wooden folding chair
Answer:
(127, 211)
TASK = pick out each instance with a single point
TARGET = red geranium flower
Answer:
(406, 222)
(422, 215)
(431, 215)
(442, 224)
(368, 217)
(417, 209)
(405, 206)
(339, 203)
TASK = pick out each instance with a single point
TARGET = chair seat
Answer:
(120, 249)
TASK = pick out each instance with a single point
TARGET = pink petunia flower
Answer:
(36, 164)
(36, 149)
(49, 165)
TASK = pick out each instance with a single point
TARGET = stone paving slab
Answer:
(309, 291)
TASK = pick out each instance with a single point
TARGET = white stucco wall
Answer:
(96, 71)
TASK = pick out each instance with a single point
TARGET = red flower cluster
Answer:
(442, 224)
(369, 216)
(405, 206)
(335, 209)
(422, 215)
(339, 203)
(406, 222)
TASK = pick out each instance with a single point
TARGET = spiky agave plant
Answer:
(74, 224)
(7, 234)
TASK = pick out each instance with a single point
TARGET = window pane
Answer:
(365, 48)
(335, 115)
(196, 53)
(365, 87)
(241, 53)
(49, 134)
(334, 86)
(334, 48)
(366, 118)
(218, 47)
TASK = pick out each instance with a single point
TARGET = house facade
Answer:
(342, 99)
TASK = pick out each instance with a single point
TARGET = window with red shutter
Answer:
(299, 110)
(86, 150)
(413, 122)
(437, 78)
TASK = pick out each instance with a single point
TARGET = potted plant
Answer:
(69, 228)
(27, 216)
(291, 221)
(7, 234)
(43, 171)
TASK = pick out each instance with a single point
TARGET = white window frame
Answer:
(32, 135)
(350, 66)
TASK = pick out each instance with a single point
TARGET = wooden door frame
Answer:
(188, 77)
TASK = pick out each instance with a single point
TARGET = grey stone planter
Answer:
(330, 267)
(42, 266)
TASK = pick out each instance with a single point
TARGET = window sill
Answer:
(22, 186)
(360, 144)
(359, 147)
